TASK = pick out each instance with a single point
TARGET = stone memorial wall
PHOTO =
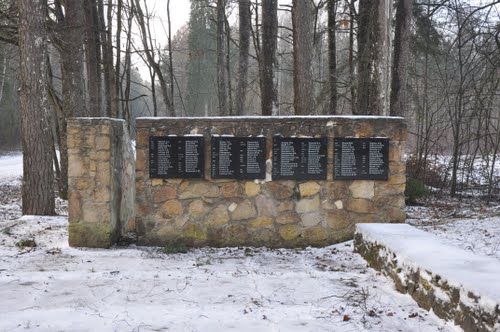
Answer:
(101, 174)
(266, 181)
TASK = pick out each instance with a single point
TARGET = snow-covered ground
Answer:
(11, 166)
(52, 287)
(11, 171)
(469, 224)
(473, 174)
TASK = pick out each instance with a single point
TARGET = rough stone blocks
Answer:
(101, 181)
(199, 212)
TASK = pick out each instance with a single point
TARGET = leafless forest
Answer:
(436, 62)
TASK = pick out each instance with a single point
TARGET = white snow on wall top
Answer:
(98, 118)
(475, 273)
(288, 117)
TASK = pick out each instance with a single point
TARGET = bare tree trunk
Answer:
(332, 54)
(92, 58)
(126, 109)
(73, 95)
(55, 119)
(108, 62)
(117, 81)
(4, 70)
(401, 51)
(228, 66)
(127, 69)
(303, 39)
(72, 60)
(106, 32)
(245, 17)
(373, 56)
(496, 148)
(38, 173)
(104, 58)
(268, 88)
(368, 56)
(352, 85)
(152, 78)
(170, 57)
(221, 66)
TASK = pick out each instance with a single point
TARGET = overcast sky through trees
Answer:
(179, 15)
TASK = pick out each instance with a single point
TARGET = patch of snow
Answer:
(470, 224)
(11, 165)
(100, 118)
(133, 145)
(460, 268)
(479, 236)
(279, 117)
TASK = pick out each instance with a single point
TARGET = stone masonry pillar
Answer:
(101, 181)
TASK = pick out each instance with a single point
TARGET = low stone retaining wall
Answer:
(101, 181)
(274, 213)
(457, 285)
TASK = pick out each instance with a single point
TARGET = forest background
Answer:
(435, 62)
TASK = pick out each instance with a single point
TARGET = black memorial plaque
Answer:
(238, 157)
(176, 157)
(361, 158)
(298, 158)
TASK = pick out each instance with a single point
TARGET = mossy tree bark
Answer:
(38, 176)
(245, 21)
(268, 88)
(303, 43)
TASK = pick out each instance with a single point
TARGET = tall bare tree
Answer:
(125, 94)
(230, 102)
(245, 21)
(332, 54)
(170, 56)
(109, 69)
(38, 175)
(303, 42)
(101, 28)
(268, 87)
(118, 62)
(368, 56)
(352, 84)
(373, 56)
(70, 44)
(400, 61)
(92, 58)
(221, 58)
